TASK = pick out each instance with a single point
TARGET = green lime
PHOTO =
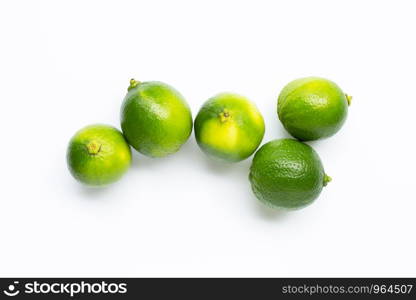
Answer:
(287, 174)
(155, 118)
(98, 155)
(312, 108)
(229, 127)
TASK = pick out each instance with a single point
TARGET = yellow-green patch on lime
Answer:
(98, 155)
(229, 127)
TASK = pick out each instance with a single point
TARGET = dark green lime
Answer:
(287, 174)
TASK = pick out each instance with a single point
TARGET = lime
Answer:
(312, 108)
(287, 174)
(229, 127)
(98, 155)
(155, 118)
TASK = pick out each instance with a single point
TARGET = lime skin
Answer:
(98, 155)
(312, 108)
(229, 127)
(155, 118)
(287, 174)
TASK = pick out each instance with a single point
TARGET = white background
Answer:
(66, 64)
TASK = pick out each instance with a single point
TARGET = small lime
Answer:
(312, 108)
(287, 174)
(229, 127)
(155, 118)
(98, 155)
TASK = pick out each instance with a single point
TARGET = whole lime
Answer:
(229, 127)
(312, 108)
(287, 174)
(98, 155)
(155, 118)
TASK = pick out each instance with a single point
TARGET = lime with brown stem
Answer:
(229, 127)
(98, 155)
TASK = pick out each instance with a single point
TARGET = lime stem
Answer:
(224, 115)
(349, 98)
(133, 84)
(93, 147)
(327, 179)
